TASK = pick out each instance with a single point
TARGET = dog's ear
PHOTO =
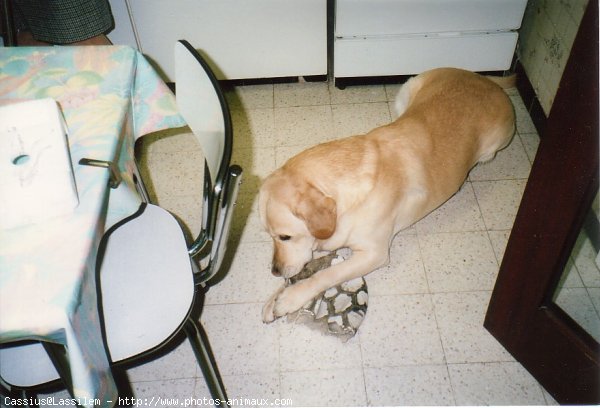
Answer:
(318, 211)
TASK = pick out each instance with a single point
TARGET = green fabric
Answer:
(64, 21)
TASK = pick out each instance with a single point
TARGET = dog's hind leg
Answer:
(497, 139)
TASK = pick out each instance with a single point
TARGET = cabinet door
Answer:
(405, 37)
(377, 56)
(401, 17)
(240, 39)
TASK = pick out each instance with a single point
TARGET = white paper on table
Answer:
(36, 174)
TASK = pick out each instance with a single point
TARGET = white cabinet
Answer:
(286, 38)
(403, 37)
(239, 38)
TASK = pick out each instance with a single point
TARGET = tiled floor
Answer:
(422, 342)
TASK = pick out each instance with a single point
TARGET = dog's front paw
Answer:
(268, 312)
(287, 300)
(292, 298)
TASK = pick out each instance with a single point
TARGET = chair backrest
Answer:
(204, 107)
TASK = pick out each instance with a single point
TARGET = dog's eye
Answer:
(284, 237)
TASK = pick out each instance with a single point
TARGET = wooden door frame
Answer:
(561, 186)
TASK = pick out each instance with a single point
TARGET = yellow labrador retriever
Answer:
(358, 192)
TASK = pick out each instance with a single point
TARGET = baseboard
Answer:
(530, 99)
(524, 87)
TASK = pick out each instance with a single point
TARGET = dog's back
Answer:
(449, 120)
(464, 118)
(456, 102)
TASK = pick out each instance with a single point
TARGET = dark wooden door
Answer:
(563, 182)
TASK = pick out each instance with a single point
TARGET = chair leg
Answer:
(126, 397)
(10, 395)
(206, 360)
(30, 400)
(58, 355)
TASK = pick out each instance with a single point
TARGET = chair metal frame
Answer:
(219, 197)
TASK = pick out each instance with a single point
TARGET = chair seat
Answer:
(142, 250)
(26, 365)
(136, 256)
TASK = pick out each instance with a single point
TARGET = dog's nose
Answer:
(275, 271)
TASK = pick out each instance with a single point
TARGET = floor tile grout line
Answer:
(490, 180)
(451, 383)
(279, 367)
(198, 374)
(435, 316)
(487, 232)
(458, 231)
(521, 135)
(362, 368)
(595, 307)
(167, 379)
(260, 302)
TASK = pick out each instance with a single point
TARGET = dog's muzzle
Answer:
(284, 271)
(275, 270)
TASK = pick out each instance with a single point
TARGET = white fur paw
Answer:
(287, 300)
(268, 315)
(268, 312)
(291, 299)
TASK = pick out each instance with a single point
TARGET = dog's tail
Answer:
(505, 82)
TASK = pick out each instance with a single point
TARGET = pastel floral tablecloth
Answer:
(109, 97)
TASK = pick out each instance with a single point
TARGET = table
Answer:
(109, 97)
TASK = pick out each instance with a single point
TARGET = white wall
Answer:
(548, 32)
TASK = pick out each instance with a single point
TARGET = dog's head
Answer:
(296, 214)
